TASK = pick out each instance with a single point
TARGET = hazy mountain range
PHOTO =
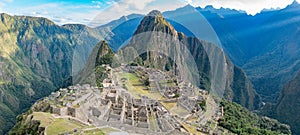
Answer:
(37, 56)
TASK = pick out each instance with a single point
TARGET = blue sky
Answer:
(59, 11)
(87, 11)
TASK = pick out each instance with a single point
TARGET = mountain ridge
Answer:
(35, 60)
(287, 105)
(200, 50)
(150, 59)
(46, 72)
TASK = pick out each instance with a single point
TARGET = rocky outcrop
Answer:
(287, 108)
(159, 45)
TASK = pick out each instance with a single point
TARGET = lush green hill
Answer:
(238, 88)
(240, 121)
(35, 58)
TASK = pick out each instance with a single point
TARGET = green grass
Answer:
(153, 123)
(2, 82)
(168, 106)
(96, 131)
(191, 129)
(177, 109)
(136, 88)
(108, 130)
(45, 118)
(62, 126)
(56, 126)
(167, 83)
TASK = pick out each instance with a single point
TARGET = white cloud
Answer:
(100, 12)
(137, 4)
(58, 12)
(126, 7)
(3, 3)
(250, 6)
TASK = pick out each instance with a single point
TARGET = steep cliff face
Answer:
(242, 90)
(159, 45)
(94, 72)
(265, 46)
(215, 70)
(287, 108)
(35, 58)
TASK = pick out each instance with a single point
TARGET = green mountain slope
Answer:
(288, 106)
(236, 119)
(94, 72)
(35, 58)
(240, 121)
(157, 44)
(155, 32)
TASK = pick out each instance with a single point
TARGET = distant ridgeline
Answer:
(36, 59)
(238, 88)
(236, 119)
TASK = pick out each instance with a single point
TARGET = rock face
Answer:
(287, 108)
(35, 58)
(94, 73)
(265, 46)
(157, 44)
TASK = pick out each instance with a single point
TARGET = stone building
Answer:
(71, 111)
(55, 110)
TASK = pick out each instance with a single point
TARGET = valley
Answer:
(220, 72)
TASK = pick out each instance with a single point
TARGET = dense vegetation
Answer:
(241, 88)
(100, 75)
(35, 59)
(6, 116)
(243, 92)
(287, 108)
(105, 56)
(240, 121)
(25, 125)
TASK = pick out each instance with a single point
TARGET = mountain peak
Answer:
(295, 4)
(105, 53)
(155, 13)
(155, 21)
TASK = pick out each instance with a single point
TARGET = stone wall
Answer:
(71, 111)
(55, 110)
